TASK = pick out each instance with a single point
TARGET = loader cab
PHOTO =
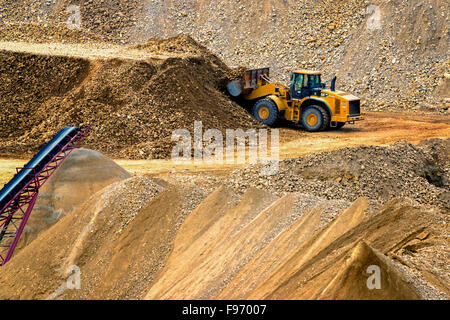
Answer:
(305, 83)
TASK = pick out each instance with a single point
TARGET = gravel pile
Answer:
(41, 33)
(408, 49)
(108, 20)
(377, 172)
(331, 208)
(129, 197)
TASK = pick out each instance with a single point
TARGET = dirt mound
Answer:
(439, 149)
(86, 238)
(129, 244)
(377, 172)
(284, 253)
(352, 282)
(29, 81)
(177, 45)
(134, 105)
(81, 175)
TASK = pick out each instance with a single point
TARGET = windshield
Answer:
(314, 81)
(300, 81)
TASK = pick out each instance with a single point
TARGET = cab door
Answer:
(297, 90)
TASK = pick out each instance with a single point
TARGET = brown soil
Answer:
(293, 258)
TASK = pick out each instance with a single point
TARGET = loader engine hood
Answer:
(348, 100)
(341, 95)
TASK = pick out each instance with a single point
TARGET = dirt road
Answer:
(378, 129)
(97, 51)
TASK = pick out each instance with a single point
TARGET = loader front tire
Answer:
(315, 118)
(265, 111)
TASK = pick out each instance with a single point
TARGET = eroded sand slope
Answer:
(143, 237)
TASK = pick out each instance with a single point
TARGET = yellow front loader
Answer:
(306, 100)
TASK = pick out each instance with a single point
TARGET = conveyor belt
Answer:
(18, 196)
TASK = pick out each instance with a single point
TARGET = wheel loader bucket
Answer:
(235, 88)
(251, 79)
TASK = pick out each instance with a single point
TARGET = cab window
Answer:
(314, 81)
(297, 81)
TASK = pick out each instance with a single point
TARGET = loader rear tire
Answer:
(315, 118)
(265, 111)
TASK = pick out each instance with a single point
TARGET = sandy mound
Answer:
(284, 253)
(87, 238)
(134, 105)
(352, 282)
(81, 175)
(129, 244)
